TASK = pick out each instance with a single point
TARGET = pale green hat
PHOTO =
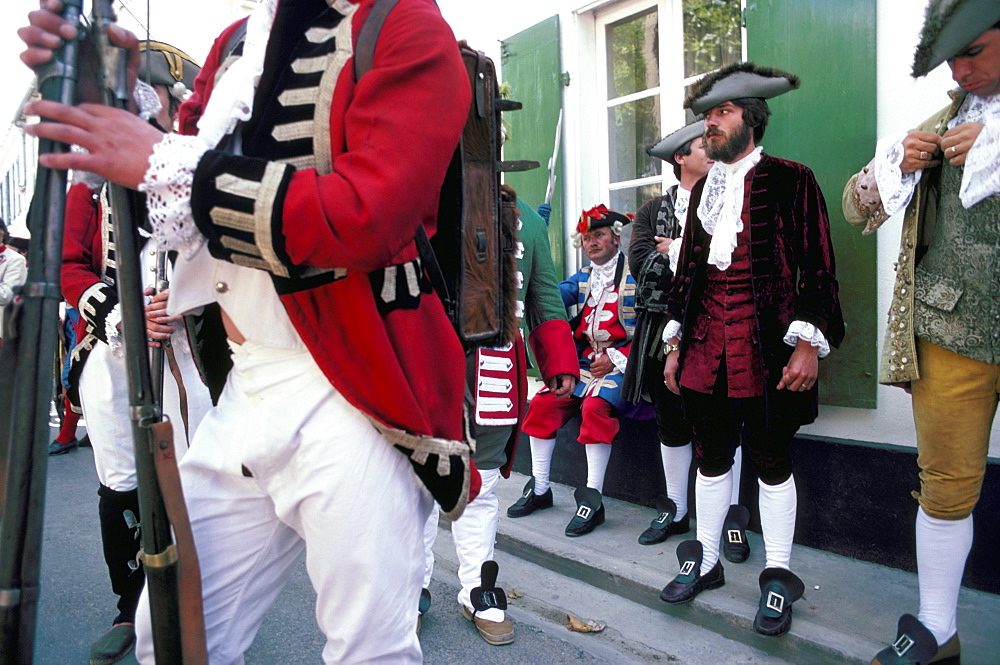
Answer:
(950, 26)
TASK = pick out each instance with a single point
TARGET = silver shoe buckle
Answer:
(902, 644)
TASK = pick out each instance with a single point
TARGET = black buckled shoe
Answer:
(60, 448)
(690, 582)
(915, 645)
(779, 588)
(664, 525)
(113, 645)
(735, 546)
(589, 512)
(529, 501)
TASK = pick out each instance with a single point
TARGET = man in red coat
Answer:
(294, 204)
(752, 307)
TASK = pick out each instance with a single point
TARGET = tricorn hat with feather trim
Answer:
(950, 26)
(738, 80)
(672, 143)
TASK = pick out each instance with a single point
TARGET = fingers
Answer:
(794, 381)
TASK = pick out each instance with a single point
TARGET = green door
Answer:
(828, 124)
(529, 63)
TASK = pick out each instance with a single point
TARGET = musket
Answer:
(171, 568)
(551, 187)
(27, 356)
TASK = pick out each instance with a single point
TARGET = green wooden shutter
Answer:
(828, 124)
(529, 62)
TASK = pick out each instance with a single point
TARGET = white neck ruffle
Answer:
(232, 98)
(721, 207)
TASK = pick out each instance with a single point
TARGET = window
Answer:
(649, 52)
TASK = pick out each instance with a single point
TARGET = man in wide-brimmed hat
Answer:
(603, 294)
(652, 254)
(752, 308)
(942, 342)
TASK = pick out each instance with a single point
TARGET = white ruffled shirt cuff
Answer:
(167, 185)
(796, 331)
(671, 330)
(113, 332)
(895, 187)
(810, 333)
(619, 359)
(981, 177)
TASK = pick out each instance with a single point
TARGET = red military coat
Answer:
(376, 153)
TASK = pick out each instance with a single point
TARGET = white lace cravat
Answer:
(721, 207)
(980, 177)
(681, 201)
(168, 180)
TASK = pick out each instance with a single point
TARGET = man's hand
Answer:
(601, 366)
(956, 143)
(920, 151)
(670, 372)
(561, 385)
(118, 143)
(662, 244)
(802, 369)
(158, 324)
(47, 30)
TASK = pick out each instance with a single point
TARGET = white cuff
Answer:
(673, 254)
(810, 333)
(113, 333)
(981, 177)
(618, 358)
(671, 330)
(167, 185)
(895, 187)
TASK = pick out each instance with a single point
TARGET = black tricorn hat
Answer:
(670, 144)
(950, 26)
(166, 65)
(738, 80)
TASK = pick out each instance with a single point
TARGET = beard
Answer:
(730, 148)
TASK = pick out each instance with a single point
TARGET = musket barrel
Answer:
(30, 351)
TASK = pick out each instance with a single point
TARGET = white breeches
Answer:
(324, 482)
(104, 397)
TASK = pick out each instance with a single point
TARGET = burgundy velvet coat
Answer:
(792, 269)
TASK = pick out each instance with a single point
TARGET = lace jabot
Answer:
(721, 207)
(601, 277)
(681, 202)
(167, 183)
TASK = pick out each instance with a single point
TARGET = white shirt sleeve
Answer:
(810, 333)
(981, 176)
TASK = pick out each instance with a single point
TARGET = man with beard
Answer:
(942, 342)
(752, 308)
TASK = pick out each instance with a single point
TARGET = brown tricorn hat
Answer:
(950, 26)
(736, 81)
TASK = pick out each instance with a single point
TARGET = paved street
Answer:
(76, 604)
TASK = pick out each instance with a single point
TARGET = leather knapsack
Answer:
(470, 260)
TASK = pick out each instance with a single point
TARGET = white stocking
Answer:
(734, 500)
(475, 533)
(598, 455)
(778, 504)
(676, 470)
(942, 548)
(541, 462)
(711, 495)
